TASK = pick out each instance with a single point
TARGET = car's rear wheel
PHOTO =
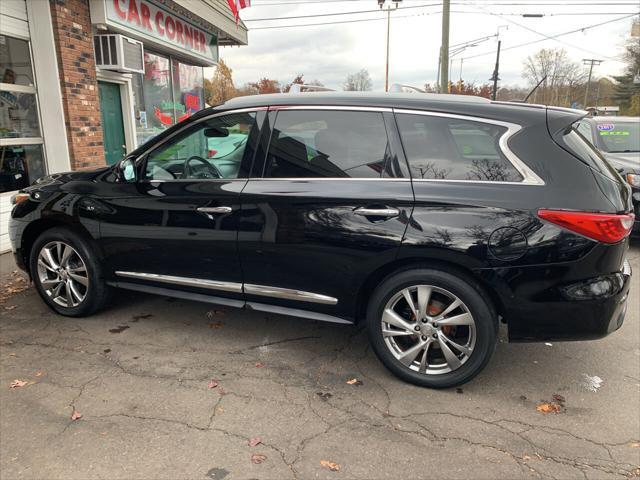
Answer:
(431, 327)
(67, 274)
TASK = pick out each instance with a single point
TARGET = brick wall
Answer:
(74, 47)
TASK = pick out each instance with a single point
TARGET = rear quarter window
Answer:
(580, 147)
(442, 148)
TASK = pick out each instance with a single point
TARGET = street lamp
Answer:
(381, 4)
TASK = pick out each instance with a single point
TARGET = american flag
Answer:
(237, 5)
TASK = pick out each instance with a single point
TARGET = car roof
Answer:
(465, 105)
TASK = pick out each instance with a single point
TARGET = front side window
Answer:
(327, 144)
(211, 149)
(452, 149)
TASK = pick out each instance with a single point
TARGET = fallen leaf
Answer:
(255, 441)
(216, 324)
(334, 467)
(526, 457)
(548, 344)
(259, 365)
(222, 391)
(354, 381)
(213, 383)
(459, 390)
(258, 458)
(549, 407)
(13, 355)
(10, 307)
(558, 398)
(18, 383)
(39, 374)
(635, 445)
(76, 415)
(107, 350)
(118, 329)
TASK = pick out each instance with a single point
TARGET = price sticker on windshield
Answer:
(606, 127)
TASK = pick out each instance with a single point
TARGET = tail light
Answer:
(604, 227)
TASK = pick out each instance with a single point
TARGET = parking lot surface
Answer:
(160, 388)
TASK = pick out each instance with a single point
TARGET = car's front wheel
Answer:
(66, 273)
(431, 327)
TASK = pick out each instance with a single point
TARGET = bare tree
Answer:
(220, 88)
(563, 78)
(359, 81)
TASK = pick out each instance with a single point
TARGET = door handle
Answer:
(214, 209)
(377, 212)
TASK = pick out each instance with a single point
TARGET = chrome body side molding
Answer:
(261, 290)
(184, 281)
(289, 294)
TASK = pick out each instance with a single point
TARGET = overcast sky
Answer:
(330, 52)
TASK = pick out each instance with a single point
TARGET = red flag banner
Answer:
(236, 6)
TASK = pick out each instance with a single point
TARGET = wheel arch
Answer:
(376, 277)
(34, 229)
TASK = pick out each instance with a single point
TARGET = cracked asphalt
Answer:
(139, 375)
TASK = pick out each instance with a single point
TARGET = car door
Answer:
(326, 206)
(177, 223)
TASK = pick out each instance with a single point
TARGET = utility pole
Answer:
(444, 48)
(591, 62)
(381, 5)
(494, 93)
(386, 75)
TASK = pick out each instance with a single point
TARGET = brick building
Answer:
(82, 82)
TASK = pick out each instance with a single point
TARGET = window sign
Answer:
(152, 21)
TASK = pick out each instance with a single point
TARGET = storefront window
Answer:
(168, 92)
(154, 110)
(20, 166)
(21, 157)
(188, 89)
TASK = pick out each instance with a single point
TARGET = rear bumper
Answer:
(542, 303)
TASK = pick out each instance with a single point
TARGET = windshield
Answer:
(618, 137)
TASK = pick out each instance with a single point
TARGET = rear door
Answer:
(327, 205)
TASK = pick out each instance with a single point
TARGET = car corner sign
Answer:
(153, 22)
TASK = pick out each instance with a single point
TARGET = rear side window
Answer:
(323, 143)
(443, 148)
(585, 151)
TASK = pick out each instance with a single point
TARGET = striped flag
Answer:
(237, 5)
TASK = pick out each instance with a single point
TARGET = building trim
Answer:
(45, 59)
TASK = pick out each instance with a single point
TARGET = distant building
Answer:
(611, 111)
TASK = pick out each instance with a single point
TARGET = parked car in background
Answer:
(618, 140)
(430, 218)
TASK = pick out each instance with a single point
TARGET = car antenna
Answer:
(534, 89)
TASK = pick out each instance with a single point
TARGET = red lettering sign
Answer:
(146, 14)
(150, 18)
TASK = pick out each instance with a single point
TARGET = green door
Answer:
(112, 125)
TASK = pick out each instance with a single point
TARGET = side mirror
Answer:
(127, 170)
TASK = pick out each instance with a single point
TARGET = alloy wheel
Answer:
(63, 274)
(428, 329)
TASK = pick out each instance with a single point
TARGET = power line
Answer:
(340, 22)
(554, 37)
(336, 13)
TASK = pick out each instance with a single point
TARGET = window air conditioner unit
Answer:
(119, 53)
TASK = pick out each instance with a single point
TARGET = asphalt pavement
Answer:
(155, 388)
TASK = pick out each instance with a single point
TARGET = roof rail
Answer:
(300, 87)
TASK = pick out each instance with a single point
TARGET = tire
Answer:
(61, 254)
(476, 337)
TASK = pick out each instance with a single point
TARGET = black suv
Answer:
(430, 218)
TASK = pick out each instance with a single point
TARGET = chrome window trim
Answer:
(184, 281)
(331, 107)
(251, 289)
(529, 177)
(289, 294)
